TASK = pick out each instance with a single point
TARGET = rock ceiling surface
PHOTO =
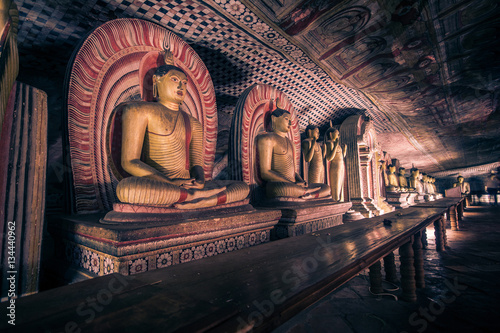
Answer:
(425, 72)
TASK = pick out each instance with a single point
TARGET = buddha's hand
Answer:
(301, 183)
(193, 183)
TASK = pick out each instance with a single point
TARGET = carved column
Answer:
(23, 160)
(419, 260)
(407, 272)
(376, 278)
(358, 135)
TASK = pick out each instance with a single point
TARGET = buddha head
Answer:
(415, 173)
(332, 134)
(312, 131)
(392, 168)
(460, 179)
(170, 84)
(281, 120)
(402, 171)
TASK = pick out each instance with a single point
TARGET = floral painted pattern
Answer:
(164, 260)
(138, 266)
(94, 262)
(186, 255)
(108, 266)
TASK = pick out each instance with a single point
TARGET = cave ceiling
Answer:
(425, 72)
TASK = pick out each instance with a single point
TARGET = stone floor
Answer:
(461, 293)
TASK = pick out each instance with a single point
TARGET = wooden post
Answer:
(452, 212)
(376, 278)
(438, 232)
(460, 209)
(424, 239)
(443, 232)
(391, 273)
(407, 272)
(419, 260)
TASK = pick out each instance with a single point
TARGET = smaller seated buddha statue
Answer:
(403, 184)
(464, 186)
(276, 163)
(335, 154)
(162, 150)
(392, 185)
(425, 183)
(414, 181)
(432, 180)
(314, 154)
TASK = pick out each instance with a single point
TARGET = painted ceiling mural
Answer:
(425, 72)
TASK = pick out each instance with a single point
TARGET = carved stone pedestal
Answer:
(419, 198)
(352, 215)
(366, 207)
(299, 218)
(130, 248)
(398, 199)
(411, 199)
(429, 197)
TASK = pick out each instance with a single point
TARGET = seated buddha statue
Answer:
(403, 184)
(276, 163)
(425, 183)
(393, 185)
(464, 186)
(314, 154)
(414, 181)
(335, 155)
(170, 141)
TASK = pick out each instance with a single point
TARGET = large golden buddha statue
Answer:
(276, 165)
(335, 155)
(393, 185)
(314, 154)
(403, 184)
(170, 142)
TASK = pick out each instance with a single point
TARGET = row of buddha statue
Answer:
(162, 151)
(416, 182)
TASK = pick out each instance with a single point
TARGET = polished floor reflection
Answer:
(461, 293)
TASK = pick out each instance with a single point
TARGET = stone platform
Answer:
(299, 217)
(398, 199)
(130, 248)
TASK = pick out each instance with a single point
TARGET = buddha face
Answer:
(334, 135)
(460, 179)
(282, 123)
(314, 133)
(172, 86)
(392, 169)
(402, 171)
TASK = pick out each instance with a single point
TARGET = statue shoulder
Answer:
(266, 138)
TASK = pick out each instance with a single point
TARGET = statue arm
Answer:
(308, 149)
(265, 145)
(331, 150)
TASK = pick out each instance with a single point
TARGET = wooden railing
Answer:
(256, 288)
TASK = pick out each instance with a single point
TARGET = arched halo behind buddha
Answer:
(104, 74)
(251, 115)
